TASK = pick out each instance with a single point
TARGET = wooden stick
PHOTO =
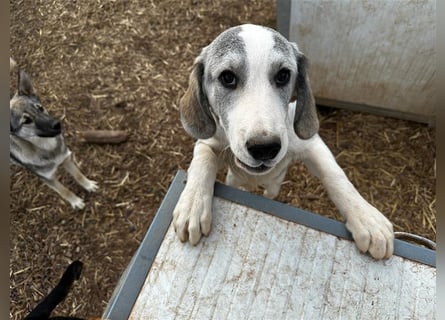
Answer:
(104, 136)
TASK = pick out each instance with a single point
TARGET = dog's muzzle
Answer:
(48, 128)
(263, 151)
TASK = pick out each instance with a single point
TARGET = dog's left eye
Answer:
(27, 119)
(282, 77)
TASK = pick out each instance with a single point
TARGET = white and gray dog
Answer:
(36, 142)
(249, 104)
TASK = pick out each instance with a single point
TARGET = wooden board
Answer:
(368, 55)
(258, 265)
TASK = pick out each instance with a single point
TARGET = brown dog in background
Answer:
(36, 142)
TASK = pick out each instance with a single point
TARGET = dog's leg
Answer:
(65, 193)
(272, 188)
(233, 180)
(271, 191)
(371, 230)
(74, 170)
(192, 216)
(239, 182)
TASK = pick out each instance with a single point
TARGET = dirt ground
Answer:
(124, 65)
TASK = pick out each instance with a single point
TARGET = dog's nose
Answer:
(56, 125)
(263, 150)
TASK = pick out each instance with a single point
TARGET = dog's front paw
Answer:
(192, 216)
(90, 185)
(77, 203)
(372, 232)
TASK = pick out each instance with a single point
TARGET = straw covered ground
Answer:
(123, 65)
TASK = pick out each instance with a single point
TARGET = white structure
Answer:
(377, 56)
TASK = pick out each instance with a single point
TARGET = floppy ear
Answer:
(25, 87)
(306, 122)
(194, 106)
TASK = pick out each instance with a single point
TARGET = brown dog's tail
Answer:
(46, 306)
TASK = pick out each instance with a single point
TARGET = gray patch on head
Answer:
(224, 50)
(285, 49)
(226, 43)
(281, 44)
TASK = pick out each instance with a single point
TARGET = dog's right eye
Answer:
(228, 79)
(39, 107)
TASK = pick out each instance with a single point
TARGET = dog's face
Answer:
(28, 118)
(243, 83)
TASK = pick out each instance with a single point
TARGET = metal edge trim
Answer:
(130, 284)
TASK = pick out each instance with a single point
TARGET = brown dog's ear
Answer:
(25, 87)
(306, 122)
(194, 106)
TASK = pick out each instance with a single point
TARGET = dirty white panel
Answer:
(363, 53)
(257, 266)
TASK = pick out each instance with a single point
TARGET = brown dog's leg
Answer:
(65, 193)
(74, 170)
